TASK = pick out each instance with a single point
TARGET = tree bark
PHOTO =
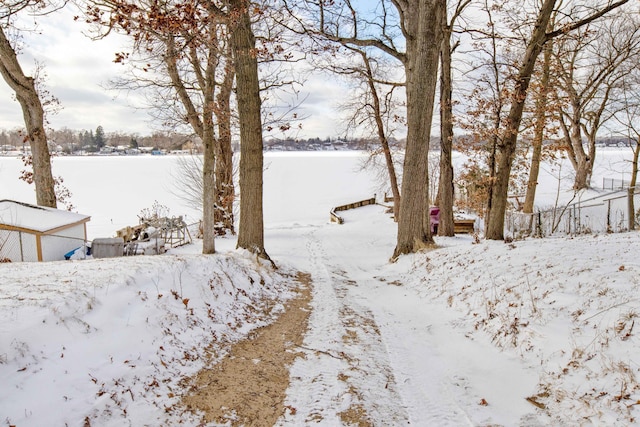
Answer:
(224, 157)
(33, 114)
(445, 185)
(251, 230)
(423, 23)
(208, 190)
(581, 161)
(507, 145)
(632, 185)
(538, 137)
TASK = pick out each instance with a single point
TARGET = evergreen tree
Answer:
(99, 138)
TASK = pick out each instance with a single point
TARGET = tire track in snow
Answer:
(345, 377)
(422, 376)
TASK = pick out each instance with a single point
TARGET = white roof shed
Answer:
(37, 233)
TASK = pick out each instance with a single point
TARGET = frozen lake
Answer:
(299, 187)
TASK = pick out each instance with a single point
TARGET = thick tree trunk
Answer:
(33, 114)
(507, 146)
(251, 230)
(423, 24)
(445, 184)
(538, 137)
(581, 161)
(582, 179)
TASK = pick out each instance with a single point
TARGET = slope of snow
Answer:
(109, 341)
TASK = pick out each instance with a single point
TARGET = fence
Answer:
(607, 213)
(337, 218)
(614, 184)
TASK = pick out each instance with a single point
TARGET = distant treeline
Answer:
(68, 140)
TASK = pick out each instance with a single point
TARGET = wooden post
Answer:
(39, 246)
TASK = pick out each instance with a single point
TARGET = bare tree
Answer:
(183, 54)
(420, 25)
(507, 144)
(373, 107)
(215, 39)
(26, 91)
(487, 105)
(243, 46)
(540, 121)
(590, 64)
(627, 116)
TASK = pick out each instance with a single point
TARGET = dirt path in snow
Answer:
(248, 386)
(343, 377)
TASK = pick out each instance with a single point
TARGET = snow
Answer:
(36, 218)
(468, 333)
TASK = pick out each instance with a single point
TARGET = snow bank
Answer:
(110, 342)
(566, 306)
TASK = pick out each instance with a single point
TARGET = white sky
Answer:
(78, 71)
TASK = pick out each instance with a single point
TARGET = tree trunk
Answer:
(224, 158)
(507, 146)
(208, 191)
(632, 185)
(208, 169)
(538, 137)
(445, 185)
(382, 137)
(581, 161)
(423, 25)
(492, 166)
(583, 175)
(33, 114)
(251, 230)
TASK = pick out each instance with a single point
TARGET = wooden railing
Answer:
(337, 218)
(460, 225)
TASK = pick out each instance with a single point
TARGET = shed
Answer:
(37, 233)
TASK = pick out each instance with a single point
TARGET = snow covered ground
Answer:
(533, 332)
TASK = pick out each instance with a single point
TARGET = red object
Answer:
(434, 218)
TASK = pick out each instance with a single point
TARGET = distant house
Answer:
(36, 233)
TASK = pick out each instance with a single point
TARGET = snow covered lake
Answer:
(299, 186)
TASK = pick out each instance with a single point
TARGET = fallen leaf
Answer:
(534, 402)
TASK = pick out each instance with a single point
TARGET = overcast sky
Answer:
(78, 71)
